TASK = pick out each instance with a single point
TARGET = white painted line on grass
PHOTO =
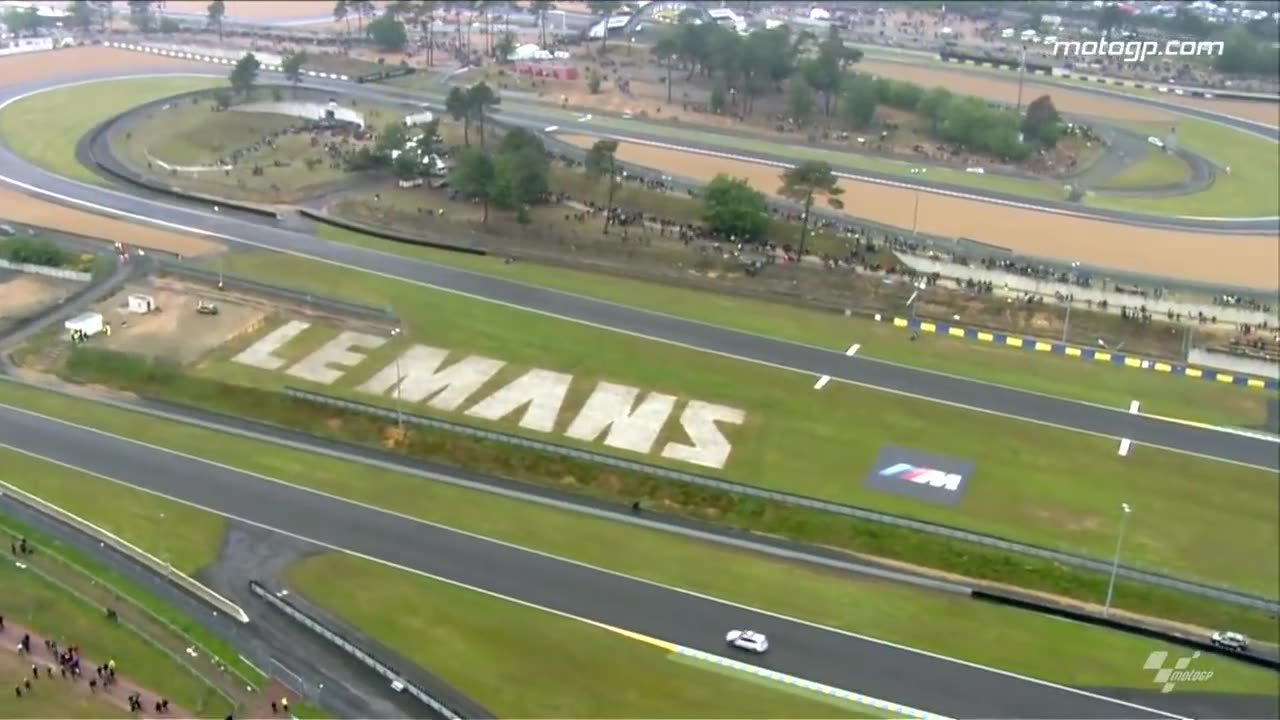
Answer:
(853, 350)
(822, 382)
(1133, 407)
(551, 128)
(1125, 443)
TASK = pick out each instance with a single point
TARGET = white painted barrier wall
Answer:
(208, 55)
(16, 46)
(155, 563)
(53, 272)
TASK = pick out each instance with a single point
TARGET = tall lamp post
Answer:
(1115, 563)
(399, 380)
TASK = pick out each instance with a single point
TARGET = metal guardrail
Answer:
(181, 579)
(351, 649)
(233, 281)
(1075, 560)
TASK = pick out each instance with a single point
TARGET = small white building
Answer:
(87, 324)
(141, 304)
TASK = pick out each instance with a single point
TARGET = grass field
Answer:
(186, 538)
(819, 443)
(945, 624)
(1155, 169)
(41, 131)
(1251, 189)
(522, 662)
(31, 600)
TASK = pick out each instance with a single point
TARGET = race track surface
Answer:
(814, 652)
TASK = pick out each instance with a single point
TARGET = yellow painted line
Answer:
(958, 332)
(986, 336)
(1163, 367)
(899, 322)
(928, 327)
(663, 644)
(1256, 383)
(1013, 342)
(1133, 362)
(1043, 347)
(1193, 372)
(1073, 351)
(1102, 356)
(1223, 378)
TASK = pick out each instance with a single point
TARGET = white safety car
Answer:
(1230, 641)
(752, 642)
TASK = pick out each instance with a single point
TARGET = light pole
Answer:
(399, 378)
(1115, 564)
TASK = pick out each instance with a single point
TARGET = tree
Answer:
(800, 101)
(604, 8)
(540, 8)
(480, 98)
(406, 166)
(292, 65)
(665, 50)
(22, 21)
(81, 14)
(734, 209)
(504, 47)
(602, 162)
(388, 33)
(457, 104)
(824, 73)
(1041, 114)
(217, 10)
(1111, 18)
(245, 74)
(342, 12)
(805, 181)
(858, 103)
(520, 178)
(934, 105)
(140, 15)
(473, 175)
(719, 100)
(106, 13)
(593, 82)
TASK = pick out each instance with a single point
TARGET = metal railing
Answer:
(352, 649)
(1075, 560)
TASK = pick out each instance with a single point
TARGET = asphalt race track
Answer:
(859, 664)
(920, 680)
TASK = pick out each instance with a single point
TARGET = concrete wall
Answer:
(25, 45)
(310, 111)
(1116, 300)
(53, 272)
(1234, 363)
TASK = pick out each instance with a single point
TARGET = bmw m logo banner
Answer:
(932, 478)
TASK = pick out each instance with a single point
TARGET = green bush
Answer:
(33, 251)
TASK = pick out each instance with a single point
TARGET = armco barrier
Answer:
(182, 580)
(394, 237)
(1066, 558)
(351, 649)
(234, 282)
(1194, 643)
(53, 272)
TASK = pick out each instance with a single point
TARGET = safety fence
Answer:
(53, 272)
(1066, 558)
(315, 626)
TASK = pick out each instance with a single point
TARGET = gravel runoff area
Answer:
(18, 207)
(1244, 260)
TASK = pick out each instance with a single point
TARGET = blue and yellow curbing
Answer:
(1084, 353)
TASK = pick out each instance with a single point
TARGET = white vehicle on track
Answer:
(752, 642)
(1230, 641)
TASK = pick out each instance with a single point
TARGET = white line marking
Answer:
(709, 598)
(853, 350)
(1133, 407)
(263, 246)
(1124, 447)
(822, 382)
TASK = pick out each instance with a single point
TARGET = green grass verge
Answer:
(40, 130)
(1051, 487)
(945, 624)
(521, 662)
(188, 539)
(1252, 189)
(53, 704)
(51, 610)
(1060, 376)
(1155, 169)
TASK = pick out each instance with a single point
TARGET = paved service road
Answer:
(912, 678)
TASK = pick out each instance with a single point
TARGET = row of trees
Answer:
(514, 176)
(731, 208)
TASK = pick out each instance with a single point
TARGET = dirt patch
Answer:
(174, 329)
(30, 67)
(22, 294)
(1249, 261)
(20, 208)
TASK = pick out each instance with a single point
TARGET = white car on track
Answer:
(752, 642)
(1230, 641)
